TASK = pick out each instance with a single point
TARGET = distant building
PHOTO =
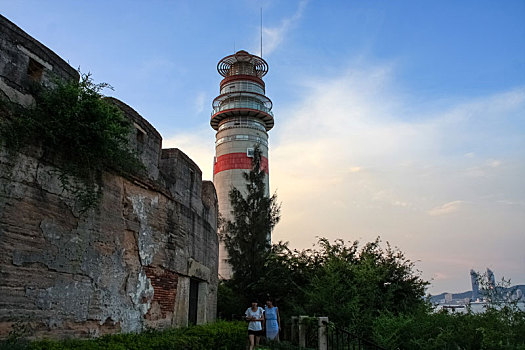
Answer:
(490, 279)
(474, 279)
(519, 294)
(448, 297)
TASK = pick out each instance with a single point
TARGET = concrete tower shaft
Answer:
(242, 116)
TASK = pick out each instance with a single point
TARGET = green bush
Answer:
(283, 345)
(77, 129)
(495, 329)
(218, 336)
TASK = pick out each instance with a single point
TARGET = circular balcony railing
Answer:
(232, 111)
(243, 99)
(242, 62)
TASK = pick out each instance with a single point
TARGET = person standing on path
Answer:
(255, 317)
(273, 322)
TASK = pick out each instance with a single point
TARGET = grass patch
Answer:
(221, 335)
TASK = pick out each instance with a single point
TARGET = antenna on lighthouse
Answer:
(261, 32)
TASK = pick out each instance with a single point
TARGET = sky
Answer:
(399, 119)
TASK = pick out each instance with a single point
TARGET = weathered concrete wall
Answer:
(122, 266)
(144, 139)
(114, 268)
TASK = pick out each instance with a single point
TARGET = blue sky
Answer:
(404, 119)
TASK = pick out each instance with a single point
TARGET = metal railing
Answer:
(339, 338)
(317, 333)
(250, 104)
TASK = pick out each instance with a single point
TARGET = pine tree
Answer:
(247, 236)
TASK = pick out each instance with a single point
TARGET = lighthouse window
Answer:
(243, 86)
(242, 138)
(243, 123)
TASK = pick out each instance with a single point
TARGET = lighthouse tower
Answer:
(242, 116)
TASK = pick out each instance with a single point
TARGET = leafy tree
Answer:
(247, 236)
(231, 302)
(285, 278)
(353, 286)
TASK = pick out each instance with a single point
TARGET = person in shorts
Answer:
(255, 317)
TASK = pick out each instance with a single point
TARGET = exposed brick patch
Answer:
(164, 284)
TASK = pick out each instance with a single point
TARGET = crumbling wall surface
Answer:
(113, 268)
(197, 212)
(125, 265)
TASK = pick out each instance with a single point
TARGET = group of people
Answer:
(261, 321)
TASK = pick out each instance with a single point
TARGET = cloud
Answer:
(274, 36)
(201, 102)
(484, 169)
(354, 159)
(447, 208)
(493, 163)
(440, 276)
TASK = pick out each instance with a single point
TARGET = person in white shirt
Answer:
(255, 317)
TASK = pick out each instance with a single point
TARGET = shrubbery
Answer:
(218, 336)
(77, 128)
(377, 294)
(352, 285)
(423, 330)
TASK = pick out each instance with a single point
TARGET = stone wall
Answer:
(128, 264)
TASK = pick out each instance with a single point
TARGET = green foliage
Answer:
(501, 326)
(349, 284)
(353, 286)
(78, 130)
(230, 302)
(17, 338)
(497, 294)
(246, 237)
(221, 336)
(442, 330)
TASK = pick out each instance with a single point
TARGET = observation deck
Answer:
(242, 90)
